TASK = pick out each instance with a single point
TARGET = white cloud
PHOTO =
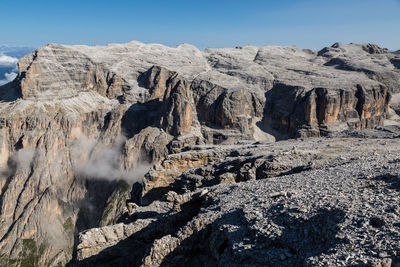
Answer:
(23, 157)
(8, 62)
(8, 78)
(94, 160)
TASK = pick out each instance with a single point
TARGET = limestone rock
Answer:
(320, 110)
(295, 213)
(78, 119)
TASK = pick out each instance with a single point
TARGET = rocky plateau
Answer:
(146, 155)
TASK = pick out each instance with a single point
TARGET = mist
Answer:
(21, 159)
(94, 160)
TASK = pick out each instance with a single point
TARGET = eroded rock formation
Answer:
(78, 119)
(317, 202)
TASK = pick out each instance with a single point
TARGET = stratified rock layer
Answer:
(315, 202)
(79, 118)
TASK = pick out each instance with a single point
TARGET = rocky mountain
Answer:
(161, 148)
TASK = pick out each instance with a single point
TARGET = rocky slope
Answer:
(80, 125)
(315, 202)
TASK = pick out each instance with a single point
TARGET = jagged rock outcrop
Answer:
(315, 202)
(42, 75)
(177, 107)
(77, 119)
(316, 112)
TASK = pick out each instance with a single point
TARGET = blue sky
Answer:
(305, 23)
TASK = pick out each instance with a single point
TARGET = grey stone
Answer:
(77, 120)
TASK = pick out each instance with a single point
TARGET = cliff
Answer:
(80, 125)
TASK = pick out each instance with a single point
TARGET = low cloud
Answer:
(21, 159)
(8, 77)
(94, 160)
(10, 64)
(103, 164)
(136, 174)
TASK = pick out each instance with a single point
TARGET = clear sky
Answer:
(205, 23)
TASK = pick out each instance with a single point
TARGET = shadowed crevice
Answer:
(131, 251)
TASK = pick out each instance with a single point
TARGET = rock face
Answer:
(316, 202)
(320, 110)
(78, 121)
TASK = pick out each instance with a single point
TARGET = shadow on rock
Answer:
(393, 181)
(139, 116)
(230, 240)
(92, 206)
(221, 244)
(212, 246)
(303, 238)
(131, 251)
(10, 92)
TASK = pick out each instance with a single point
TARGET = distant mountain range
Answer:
(9, 56)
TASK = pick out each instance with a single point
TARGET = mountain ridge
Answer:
(73, 111)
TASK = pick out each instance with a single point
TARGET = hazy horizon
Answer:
(207, 24)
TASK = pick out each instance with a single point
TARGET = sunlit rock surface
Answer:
(80, 126)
